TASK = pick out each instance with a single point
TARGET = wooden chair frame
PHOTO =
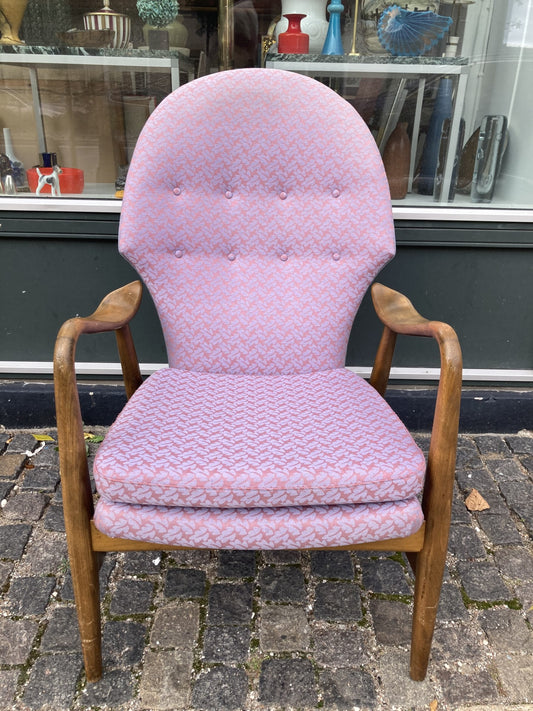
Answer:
(426, 549)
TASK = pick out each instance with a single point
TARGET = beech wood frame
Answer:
(426, 549)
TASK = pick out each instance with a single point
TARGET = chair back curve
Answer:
(257, 212)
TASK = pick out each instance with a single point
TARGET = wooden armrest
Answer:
(400, 317)
(113, 314)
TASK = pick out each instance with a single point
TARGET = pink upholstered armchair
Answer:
(257, 213)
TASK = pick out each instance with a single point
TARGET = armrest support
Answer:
(400, 317)
(113, 314)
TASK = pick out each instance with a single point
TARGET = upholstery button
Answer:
(336, 193)
(229, 194)
(178, 253)
(231, 256)
(177, 191)
(336, 256)
(283, 195)
(284, 257)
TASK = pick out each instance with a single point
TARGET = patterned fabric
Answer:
(249, 441)
(260, 529)
(257, 211)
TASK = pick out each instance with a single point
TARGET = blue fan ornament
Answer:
(410, 33)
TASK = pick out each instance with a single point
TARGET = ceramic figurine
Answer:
(11, 14)
(408, 33)
(333, 42)
(51, 179)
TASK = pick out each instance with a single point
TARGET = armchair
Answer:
(257, 213)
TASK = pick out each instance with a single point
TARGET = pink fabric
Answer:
(260, 529)
(216, 440)
(257, 212)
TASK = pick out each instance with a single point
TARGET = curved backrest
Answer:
(257, 212)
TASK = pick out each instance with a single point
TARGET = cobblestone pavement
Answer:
(271, 630)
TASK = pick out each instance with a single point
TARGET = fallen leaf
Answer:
(475, 502)
(43, 438)
(90, 437)
(433, 705)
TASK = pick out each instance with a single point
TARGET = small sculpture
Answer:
(7, 182)
(411, 33)
(51, 179)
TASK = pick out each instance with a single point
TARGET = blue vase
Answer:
(333, 41)
(441, 111)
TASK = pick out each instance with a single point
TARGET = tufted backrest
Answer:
(257, 212)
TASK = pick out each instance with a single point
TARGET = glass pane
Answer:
(78, 81)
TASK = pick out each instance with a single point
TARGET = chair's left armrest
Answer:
(400, 317)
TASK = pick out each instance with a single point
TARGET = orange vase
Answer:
(11, 14)
(396, 159)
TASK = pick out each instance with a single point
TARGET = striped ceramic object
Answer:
(107, 19)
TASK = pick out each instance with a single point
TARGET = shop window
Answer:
(449, 112)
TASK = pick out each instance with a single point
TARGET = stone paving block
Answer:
(516, 676)
(176, 625)
(21, 443)
(505, 470)
(30, 596)
(185, 582)
(473, 688)
(141, 563)
(11, 465)
(284, 584)
(332, 564)
(5, 571)
(458, 643)
(283, 628)
(468, 458)
(338, 602)
(116, 687)
(465, 544)
(489, 444)
(480, 479)
(348, 689)
(287, 682)
(16, 639)
(220, 688)
(61, 633)
(13, 539)
(525, 594)
(5, 488)
(460, 514)
(166, 680)
(25, 507)
(520, 444)
(46, 553)
(519, 497)
(54, 519)
(398, 688)
(496, 502)
(226, 643)
(122, 643)
(65, 670)
(229, 604)
(337, 647)
(527, 463)
(8, 687)
(282, 557)
(515, 562)
(43, 479)
(451, 605)
(236, 564)
(384, 576)
(482, 582)
(507, 630)
(47, 457)
(392, 621)
(132, 597)
(500, 529)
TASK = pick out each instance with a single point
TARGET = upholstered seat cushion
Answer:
(200, 440)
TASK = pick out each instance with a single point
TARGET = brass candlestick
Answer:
(353, 53)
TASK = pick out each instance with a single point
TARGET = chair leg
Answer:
(428, 581)
(84, 568)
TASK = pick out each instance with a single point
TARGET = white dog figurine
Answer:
(52, 180)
